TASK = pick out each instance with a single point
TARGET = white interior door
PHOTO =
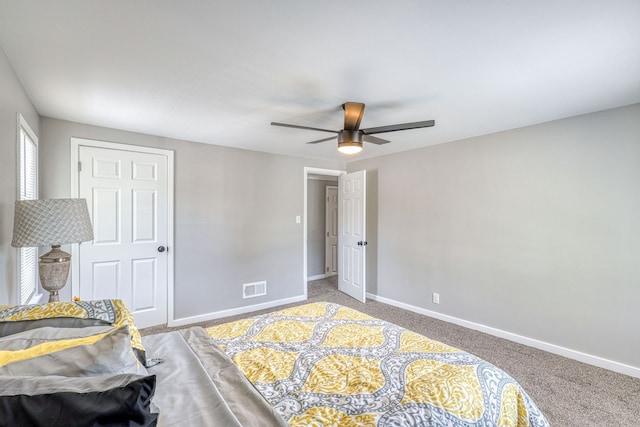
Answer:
(331, 231)
(127, 195)
(351, 235)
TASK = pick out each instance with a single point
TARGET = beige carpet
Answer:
(569, 393)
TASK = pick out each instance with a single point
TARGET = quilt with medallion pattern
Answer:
(323, 364)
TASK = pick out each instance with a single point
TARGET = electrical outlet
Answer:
(436, 298)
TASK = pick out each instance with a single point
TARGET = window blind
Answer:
(27, 257)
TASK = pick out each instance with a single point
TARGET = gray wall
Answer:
(316, 211)
(534, 231)
(234, 215)
(13, 100)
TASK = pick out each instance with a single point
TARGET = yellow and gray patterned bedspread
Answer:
(323, 364)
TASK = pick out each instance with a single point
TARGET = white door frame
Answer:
(307, 172)
(76, 143)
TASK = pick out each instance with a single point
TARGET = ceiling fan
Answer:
(350, 138)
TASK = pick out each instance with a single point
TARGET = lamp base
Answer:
(54, 271)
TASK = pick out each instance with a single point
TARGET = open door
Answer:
(351, 235)
(331, 231)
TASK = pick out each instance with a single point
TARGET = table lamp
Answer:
(52, 222)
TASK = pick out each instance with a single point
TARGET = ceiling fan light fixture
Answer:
(350, 147)
(350, 141)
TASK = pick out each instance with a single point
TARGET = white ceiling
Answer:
(220, 71)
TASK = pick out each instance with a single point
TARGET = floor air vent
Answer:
(255, 289)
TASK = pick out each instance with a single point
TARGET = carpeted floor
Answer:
(569, 393)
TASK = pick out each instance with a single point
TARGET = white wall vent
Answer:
(255, 289)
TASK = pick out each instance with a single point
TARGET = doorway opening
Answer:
(319, 179)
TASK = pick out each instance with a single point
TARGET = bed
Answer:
(325, 364)
(321, 364)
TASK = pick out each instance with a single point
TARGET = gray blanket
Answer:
(198, 384)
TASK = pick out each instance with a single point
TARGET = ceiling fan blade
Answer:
(353, 112)
(302, 127)
(374, 139)
(322, 140)
(403, 126)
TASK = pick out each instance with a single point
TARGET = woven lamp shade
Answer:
(46, 222)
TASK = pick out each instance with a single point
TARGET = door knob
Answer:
(161, 249)
(361, 243)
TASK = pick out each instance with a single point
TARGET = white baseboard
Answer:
(316, 277)
(233, 311)
(622, 368)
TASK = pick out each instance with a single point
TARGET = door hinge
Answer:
(327, 234)
(79, 166)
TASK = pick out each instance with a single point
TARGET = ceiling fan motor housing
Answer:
(348, 135)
